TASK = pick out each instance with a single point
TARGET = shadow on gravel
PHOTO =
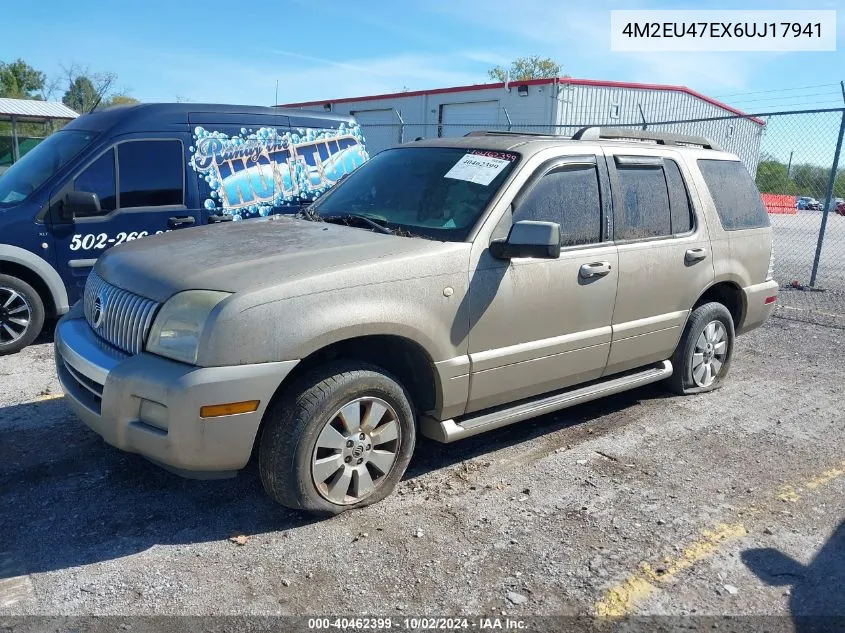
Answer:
(69, 499)
(817, 590)
(430, 455)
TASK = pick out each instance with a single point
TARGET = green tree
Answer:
(531, 67)
(81, 95)
(839, 184)
(121, 99)
(19, 80)
(85, 90)
(810, 180)
(772, 177)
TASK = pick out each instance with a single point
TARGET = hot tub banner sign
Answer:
(250, 173)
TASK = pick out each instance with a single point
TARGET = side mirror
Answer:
(79, 203)
(529, 239)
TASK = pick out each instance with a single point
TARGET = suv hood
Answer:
(245, 256)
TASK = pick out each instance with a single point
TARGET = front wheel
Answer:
(703, 356)
(341, 438)
(21, 314)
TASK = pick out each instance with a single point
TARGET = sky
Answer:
(236, 52)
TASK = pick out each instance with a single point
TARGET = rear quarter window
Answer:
(737, 200)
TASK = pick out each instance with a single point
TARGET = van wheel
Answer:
(341, 438)
(21, 314)
(704, 353)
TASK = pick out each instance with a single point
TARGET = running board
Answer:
(451, 430)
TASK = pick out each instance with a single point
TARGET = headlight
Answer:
(177, 329)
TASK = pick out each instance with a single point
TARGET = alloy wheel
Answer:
(356, 450)
(15, 315)
(710, 354)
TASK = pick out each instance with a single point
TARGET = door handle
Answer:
(216, 218)
(595, 269)
(180, 221)
(695, 255)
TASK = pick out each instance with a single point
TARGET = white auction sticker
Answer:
(476, 168)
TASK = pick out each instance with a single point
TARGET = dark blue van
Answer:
(127, 172)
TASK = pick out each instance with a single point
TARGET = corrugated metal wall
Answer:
(547, 108)
(599, 105)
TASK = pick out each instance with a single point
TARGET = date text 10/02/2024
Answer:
(417, 623)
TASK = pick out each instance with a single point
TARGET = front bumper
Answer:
(150, 405)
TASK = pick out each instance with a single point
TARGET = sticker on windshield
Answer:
(477, 168)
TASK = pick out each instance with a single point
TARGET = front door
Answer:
(140, 184)
(543, 324)
(665, 262)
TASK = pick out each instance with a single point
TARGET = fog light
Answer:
(232, 408)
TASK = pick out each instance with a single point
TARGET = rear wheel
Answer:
(342, 438)
(703, 356)
(21, 314)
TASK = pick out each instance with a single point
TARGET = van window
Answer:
(568, 195)
(98, 178)
(678, 198)
(644, 211)
(42, 163)
(737, 200)
(151, 173)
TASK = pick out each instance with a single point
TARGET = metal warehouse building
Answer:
(557, 106)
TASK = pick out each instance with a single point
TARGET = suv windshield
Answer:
(39, 164)
(434, 192)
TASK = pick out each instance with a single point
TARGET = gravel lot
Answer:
(645, 503)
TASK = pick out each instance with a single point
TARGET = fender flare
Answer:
(43, 269)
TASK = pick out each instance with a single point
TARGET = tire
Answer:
(709, 329)
(321, 408)
(21, 314)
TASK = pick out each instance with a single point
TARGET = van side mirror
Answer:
(528, 238)
(79, 203)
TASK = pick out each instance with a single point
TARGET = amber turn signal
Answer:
(232, 408)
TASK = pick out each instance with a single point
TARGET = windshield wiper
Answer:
(363, 218)
(308, 213)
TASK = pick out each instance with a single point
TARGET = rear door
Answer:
(665, 258)
(140, 183)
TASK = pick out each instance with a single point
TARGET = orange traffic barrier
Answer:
(778, 203)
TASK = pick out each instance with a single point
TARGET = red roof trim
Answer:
(532, 82)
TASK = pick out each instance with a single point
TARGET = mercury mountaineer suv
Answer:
(445, 288)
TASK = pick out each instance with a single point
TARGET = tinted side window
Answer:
(151, 173)
(569, 196)
(644, 211)
(98, 178)
(737, 200)
(678, 198)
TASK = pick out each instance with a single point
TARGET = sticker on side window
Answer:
(477, 168)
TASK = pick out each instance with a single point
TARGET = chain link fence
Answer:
(794, 157)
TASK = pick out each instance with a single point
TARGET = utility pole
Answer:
(789, 166)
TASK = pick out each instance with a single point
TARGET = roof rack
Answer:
(509, 133)
(594, 133)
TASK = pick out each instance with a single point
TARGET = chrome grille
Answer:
(124, 317)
